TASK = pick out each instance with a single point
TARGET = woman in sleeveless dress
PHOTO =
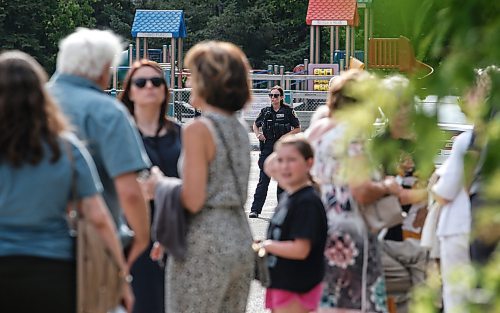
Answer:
(215, 164)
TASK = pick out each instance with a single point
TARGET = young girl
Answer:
(297, 232)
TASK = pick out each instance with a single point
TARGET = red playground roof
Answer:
(332, 12)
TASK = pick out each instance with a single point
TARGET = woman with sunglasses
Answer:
(146, 95)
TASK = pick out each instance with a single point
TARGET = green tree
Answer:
(36, 27)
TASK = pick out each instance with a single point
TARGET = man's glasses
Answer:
(141, 82)
(274, 95)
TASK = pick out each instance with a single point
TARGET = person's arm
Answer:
(297, 249)
(295, 123)
(199, 150)
(412, 196)
(258, 133)
(95, 210)
(136, 212)
(370, 191)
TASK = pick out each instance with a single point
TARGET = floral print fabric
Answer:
(345, 246)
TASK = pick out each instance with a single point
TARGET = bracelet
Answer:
(126, 277)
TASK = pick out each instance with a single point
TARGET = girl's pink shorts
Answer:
(278, 298)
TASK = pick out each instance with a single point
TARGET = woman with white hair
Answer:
(83, 71)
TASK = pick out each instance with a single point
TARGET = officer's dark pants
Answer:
(261, 191)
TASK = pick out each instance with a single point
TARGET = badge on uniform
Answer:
(294, 113)
(280, 115)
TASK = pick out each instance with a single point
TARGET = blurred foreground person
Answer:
(37, 254)
(215, 273)
(103, 123)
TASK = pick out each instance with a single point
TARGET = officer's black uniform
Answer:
(274, 125)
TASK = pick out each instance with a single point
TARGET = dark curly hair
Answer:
(220, 72)
(29, 118)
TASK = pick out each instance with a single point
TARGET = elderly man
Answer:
(83, 71)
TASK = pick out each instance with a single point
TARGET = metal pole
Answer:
(288, 84)
(367, 21)
(181, 52)
(318, 39)
(179, 63)
(306, 69)
(144, 48)
(331, 44)
(282, 72)
(311, 44)
(347, 46)
(130, 54)
(137, 48)
(337, 44)
(164, 54)
(269, 71)
(353, 41)
(172, 63)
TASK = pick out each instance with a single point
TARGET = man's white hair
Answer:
(87, 52)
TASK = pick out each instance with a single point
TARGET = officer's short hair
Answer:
(219, 74)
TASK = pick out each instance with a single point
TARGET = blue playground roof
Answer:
(159, 23)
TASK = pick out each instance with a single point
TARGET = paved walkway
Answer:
(258, 226)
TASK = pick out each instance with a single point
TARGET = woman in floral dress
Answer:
(354, 279)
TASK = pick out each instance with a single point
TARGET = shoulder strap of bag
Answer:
(72, 206)
(228, 154)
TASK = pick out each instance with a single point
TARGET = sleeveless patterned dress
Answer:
(218, 270)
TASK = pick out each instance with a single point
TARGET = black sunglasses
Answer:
(274, 95)
(141, 82)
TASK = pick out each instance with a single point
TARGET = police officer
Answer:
(273, 122)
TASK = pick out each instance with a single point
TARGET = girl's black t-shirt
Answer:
(300, 215)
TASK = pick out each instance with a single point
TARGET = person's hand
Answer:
(391, 185)
(148, 184)
(261, 137)
(157, 252)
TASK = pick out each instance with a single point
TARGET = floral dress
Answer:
(354, 277)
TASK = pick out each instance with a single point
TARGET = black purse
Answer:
(261, 272)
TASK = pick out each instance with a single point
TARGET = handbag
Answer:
(99, 278)
(386, 212)
(261, 270)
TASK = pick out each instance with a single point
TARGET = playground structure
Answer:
(304, 87)
(161, 24)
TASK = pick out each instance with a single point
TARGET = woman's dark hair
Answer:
(219, 73)
(282, 93)
(124, 96)
(29, 118)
